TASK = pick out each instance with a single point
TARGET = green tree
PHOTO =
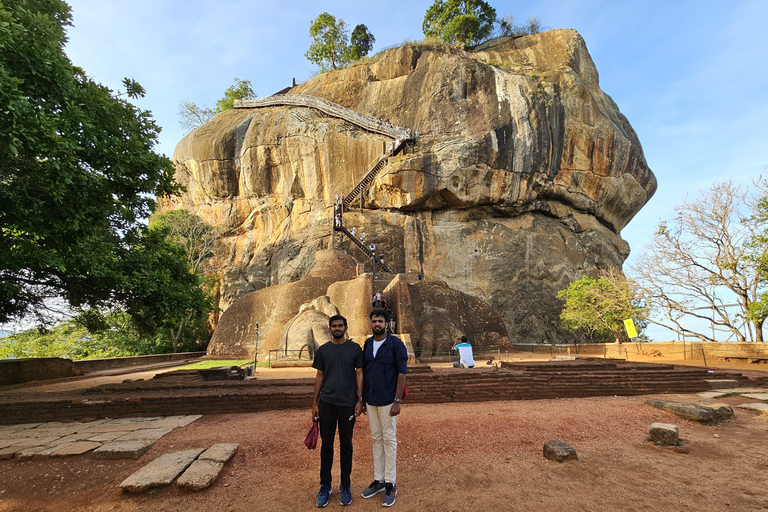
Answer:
(361, 42)
(330, 45)
(461, 22)
(199, 241)
(192, 115)
(598, 307)
(240, 89)
(78, 173)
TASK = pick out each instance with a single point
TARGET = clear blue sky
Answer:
(691, 76)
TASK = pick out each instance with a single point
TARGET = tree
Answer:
(708, 264)
(361, 42)
(460, 22)
(78, 173)
(191, 115)
(599, 307)
(239, 90)
(329, 42)
(199, 241)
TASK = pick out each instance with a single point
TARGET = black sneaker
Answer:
(346, 495)
(323, 495)
(372, 490)
(389, 497)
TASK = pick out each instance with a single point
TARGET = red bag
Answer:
(311, 440)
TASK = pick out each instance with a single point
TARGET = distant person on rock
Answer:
(385, 363)
(337, 401)
(465, 353)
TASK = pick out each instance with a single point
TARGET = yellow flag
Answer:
(630, 326)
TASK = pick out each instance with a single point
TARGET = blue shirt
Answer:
(380, 373)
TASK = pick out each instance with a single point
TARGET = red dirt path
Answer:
(483, 456)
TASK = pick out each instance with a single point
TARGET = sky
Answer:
(690, 76)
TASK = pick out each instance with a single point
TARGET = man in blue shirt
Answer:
(385, 363)
(337, 400)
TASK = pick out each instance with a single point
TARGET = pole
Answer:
(705, 357)
(256, 348)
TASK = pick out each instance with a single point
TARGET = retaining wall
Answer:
(672, 349)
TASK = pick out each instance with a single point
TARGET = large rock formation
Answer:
(522, 177)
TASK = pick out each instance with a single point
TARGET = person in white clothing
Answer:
(465, 353)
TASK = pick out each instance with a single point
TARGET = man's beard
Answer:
(379, 330)
(337, 335)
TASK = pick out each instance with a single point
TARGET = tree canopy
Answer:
(361, 42)
(79, 174)
(462, 22)
(598, 307)
(331, 47)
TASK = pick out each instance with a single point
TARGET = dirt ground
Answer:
(484, 456)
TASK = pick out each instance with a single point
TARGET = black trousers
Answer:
(331, 416)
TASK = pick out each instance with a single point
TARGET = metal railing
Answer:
(332, 109)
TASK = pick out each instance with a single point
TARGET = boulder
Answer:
(664, 434)
(559, 451)
(523, 175)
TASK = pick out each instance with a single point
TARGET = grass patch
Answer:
(215, 363)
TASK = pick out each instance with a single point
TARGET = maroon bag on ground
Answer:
(311, 440)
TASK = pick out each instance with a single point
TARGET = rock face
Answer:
(523, 174)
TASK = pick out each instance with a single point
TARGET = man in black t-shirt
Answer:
(337, 401)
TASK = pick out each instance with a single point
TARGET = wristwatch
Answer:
(398, 400)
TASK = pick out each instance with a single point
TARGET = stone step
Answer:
(161, 471)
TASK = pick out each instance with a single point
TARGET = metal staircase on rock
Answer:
(363, 248)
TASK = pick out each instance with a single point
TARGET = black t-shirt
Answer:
(338, 364)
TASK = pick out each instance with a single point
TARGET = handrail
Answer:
(332, 109)
(363, 248)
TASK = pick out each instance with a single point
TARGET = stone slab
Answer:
(35, 441)
(176, 421)
(134, 420)
(28, 453)
(200, 474)
(106, 436)
(559, 451)
(712, 394)
(123, 449)
(144, 433)
(756, 396)
(161, 471)
(221, 452)
(664, 433)
(742, 390)
(723, 383)
(695, 412)
(759, 407)
(76, 448)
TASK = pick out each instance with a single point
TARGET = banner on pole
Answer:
(630, 326)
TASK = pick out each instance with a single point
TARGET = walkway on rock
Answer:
(332, 109)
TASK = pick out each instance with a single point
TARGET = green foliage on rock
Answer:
(331, 47)
(78, 173)
(460, 22)
(240, 89)
(361, 42)
(598, 307)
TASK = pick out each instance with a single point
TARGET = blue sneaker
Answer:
(323, 495)
(346, 495)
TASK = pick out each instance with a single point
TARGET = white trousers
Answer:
(384, 437)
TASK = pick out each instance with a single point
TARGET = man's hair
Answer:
(380, 312)
(337, 317)
(464, 339)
